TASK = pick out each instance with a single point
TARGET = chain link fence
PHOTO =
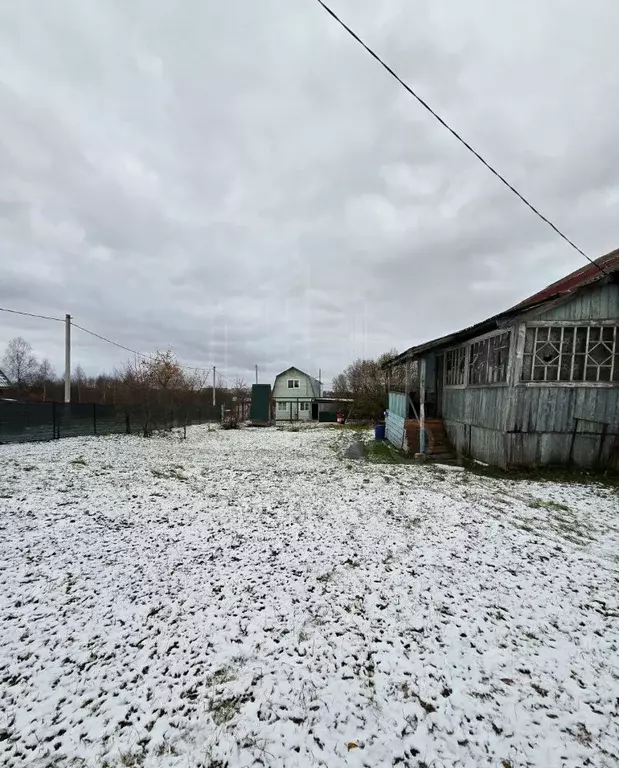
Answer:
(30, 422)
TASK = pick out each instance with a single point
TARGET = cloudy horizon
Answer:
(242, 183)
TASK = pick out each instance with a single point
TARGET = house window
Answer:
(282, 406)
(571, 353)
(304, 406)
(455, 366)
(489, 359)
(293, 383)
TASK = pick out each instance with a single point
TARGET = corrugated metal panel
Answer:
(397, 403)
(601, 303)
(394, 429)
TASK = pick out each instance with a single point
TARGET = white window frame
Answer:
(304, 405)
(294, 383)
(467, 347)
(460, 358)
(282, 405)
(568, 334)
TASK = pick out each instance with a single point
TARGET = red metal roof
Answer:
(582, 276)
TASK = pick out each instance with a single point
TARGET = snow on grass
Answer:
(249, 598)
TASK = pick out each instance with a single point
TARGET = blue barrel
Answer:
(379, 432)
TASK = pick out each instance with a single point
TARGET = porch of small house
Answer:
(414, 416)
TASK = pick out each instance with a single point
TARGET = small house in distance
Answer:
(4, 382)
(537, 384)
(293, 394)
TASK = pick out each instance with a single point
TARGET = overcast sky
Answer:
(241, 182)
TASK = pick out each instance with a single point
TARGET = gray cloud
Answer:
(241, 182)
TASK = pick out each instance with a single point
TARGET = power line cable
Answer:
(30, 314)
(109, 341)
(454, 133)
(134, 351)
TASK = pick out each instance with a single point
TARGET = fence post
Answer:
(127, 423)
(94, 418)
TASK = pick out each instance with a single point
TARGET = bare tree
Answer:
(19, 362)
(79, 377)
(44, 376)
(367, 383)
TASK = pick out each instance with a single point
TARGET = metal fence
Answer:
(30, 422)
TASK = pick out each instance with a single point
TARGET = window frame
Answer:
(304, 405)
(294, 383)
(282, 405)
(467, 348)
(569, 325)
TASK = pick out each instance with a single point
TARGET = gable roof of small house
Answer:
(309, 376)
(4, 382)
(604, 269)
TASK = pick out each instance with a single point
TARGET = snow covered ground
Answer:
(252, 598)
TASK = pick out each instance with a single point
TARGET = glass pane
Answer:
(608, 334)
(565, 374)
(538, 373)
(599, 354)
(581, 339)
(594, 334)
(591, 374)
(547, 353)
(605, 373)
(579, 367)
(555, 335)
(552, 372)
(568, 340)
(616, 368)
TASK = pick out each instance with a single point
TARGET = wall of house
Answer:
(600, 303)
(394, 425)
(474, 420)
(579, 423)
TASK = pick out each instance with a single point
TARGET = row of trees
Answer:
(157, 381)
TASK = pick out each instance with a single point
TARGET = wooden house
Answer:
(537, 384)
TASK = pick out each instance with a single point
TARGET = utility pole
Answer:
(256, 374)
(67, 358)
(214, 373)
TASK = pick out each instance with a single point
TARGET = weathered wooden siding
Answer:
(395, 424)
(543, 428)
(600, 303)
(553, 409)
(479, 406)
(489, 445)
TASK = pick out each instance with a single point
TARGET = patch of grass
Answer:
(224, 710)
(79, 461)
(171, 473)
(382, 452)
(551, 505)
(220, 676)
(326, 578)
